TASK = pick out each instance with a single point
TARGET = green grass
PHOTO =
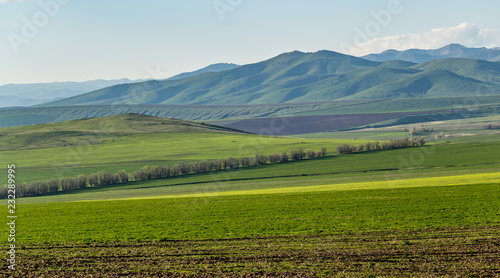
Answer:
(383, 166)
(261, 215)
(132, 152)
(67, 149)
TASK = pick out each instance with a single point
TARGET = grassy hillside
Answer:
(97, 130)
(130, 142)
(307, 77)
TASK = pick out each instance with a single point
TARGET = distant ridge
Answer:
(297, 77)
(450, 51)
(212, 68)
(37, 93)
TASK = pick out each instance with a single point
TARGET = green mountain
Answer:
(308, 77)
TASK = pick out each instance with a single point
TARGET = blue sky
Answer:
(56, 40)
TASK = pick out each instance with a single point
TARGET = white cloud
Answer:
(466, 33)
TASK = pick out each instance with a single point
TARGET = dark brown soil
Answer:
(310, 124)
(472, 252)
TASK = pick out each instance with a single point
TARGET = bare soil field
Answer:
(309, 124)
(466, 252)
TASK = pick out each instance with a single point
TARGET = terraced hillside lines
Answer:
(482, 107)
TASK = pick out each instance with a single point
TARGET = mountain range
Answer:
(449, 51)
(38, 93)
(309, 77)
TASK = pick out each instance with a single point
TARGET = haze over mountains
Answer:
(38, 93)
(450, 71)
(449, 51)
(309, 77)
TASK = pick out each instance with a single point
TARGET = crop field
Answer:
(471, 252)
(309, 124)
(404, 229)
(455, 131)
(414, 212)
(53, 150)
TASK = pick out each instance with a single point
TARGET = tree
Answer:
(368, 146)
(321, 152)
(273, 158)
(122, 176)
(182, 167)
(310, 154)
(421, 141)
(81, 181)
(93, 180)
(53, 185)
(244, 161)
(283, 157)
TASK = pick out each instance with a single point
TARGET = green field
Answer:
(414, 212)
(42, 152)
(273, 214)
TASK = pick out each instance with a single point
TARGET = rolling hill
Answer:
(308, 77)
(95, 130)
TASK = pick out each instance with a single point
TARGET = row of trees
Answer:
(374, 146)
(64, 184)
(155, 172)
(490, 126)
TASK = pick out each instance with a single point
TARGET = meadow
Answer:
(56, 150)
(413, 212)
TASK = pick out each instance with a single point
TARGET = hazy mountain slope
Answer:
(212, 68)
(449, 51)
(274, 80)
(36, 93)
(308, 77)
